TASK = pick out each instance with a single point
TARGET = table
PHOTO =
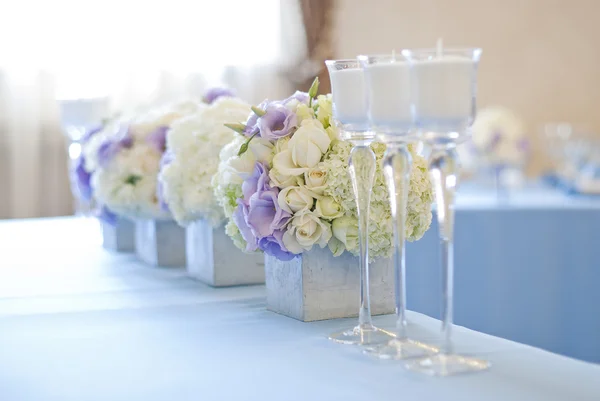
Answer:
(527, 269)
(78, 323)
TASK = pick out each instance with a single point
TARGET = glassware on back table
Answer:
(443, 93)
(387, 85)
(350, 115)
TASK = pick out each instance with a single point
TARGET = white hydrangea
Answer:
(127, 185)
(339, 186)
(195, 143)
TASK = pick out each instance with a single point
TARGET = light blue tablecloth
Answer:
(80, 324)
(527, 269)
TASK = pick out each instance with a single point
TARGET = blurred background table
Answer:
(527, 268)
(78, 323)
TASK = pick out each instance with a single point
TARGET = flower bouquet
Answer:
(501, 146)
(117, 232)
(188, 166)
(124, 159)
(285, 189)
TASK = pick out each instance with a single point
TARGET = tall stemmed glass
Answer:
(388, 83)
(350, 115)
(443, 93)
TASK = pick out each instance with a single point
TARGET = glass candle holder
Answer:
(350, 116)
(387, 80)
(443, 100)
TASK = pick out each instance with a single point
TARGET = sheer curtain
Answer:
(135, 52)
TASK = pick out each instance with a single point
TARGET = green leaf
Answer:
(133, 179)
(258, 112)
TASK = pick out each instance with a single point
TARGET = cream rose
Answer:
(283, 181)
(314, 180)
(345, 229)
(262, 150)
(305, 230)
(295, 200)
(308, 144)
(328, 208)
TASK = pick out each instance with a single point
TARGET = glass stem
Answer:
(396, 167)
(362, 172)
(443, 168)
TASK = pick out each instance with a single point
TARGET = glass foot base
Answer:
(369, 335)
(447, 365)
(401, 349)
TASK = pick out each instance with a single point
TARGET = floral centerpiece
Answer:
(284, 184)
(500, 143)
(192, 158)
(189, 164)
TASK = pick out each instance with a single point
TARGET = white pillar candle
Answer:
(388, 87)
(349, 97)
(444, 89)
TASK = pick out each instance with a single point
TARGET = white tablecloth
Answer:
(78, 323)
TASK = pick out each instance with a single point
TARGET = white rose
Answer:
(315, 180)
(282, 144)
(304, 231)
(284, 163)
(328, 208)
(262, 150)
(336, 246)
(295, 200)
(309, 143)
(238, 168)
(282, 181)
(345, 229)
(304, 113)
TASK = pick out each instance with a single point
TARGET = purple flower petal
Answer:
(158, 139)
(278, 122)
(273, 245)
(113, 145)
(258, 181)
(301, 97)
(82, 180)
(107, 216)
(240, 218)
(214, 93)
(91, 132)
(252, 122)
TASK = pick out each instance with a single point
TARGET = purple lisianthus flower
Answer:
(112, 146)
(277, 122)
(273, 245)
(165, 160)
(496, 138)
(214, 93)
(240, 218)
(252, 122)
(91, 132)
(82, 179)
(301, 97)
(523, 145)
(158, 139)
(264, 213)
(257, 182)
(107, 216)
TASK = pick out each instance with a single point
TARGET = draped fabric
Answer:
(317, 17)
(162, 54)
